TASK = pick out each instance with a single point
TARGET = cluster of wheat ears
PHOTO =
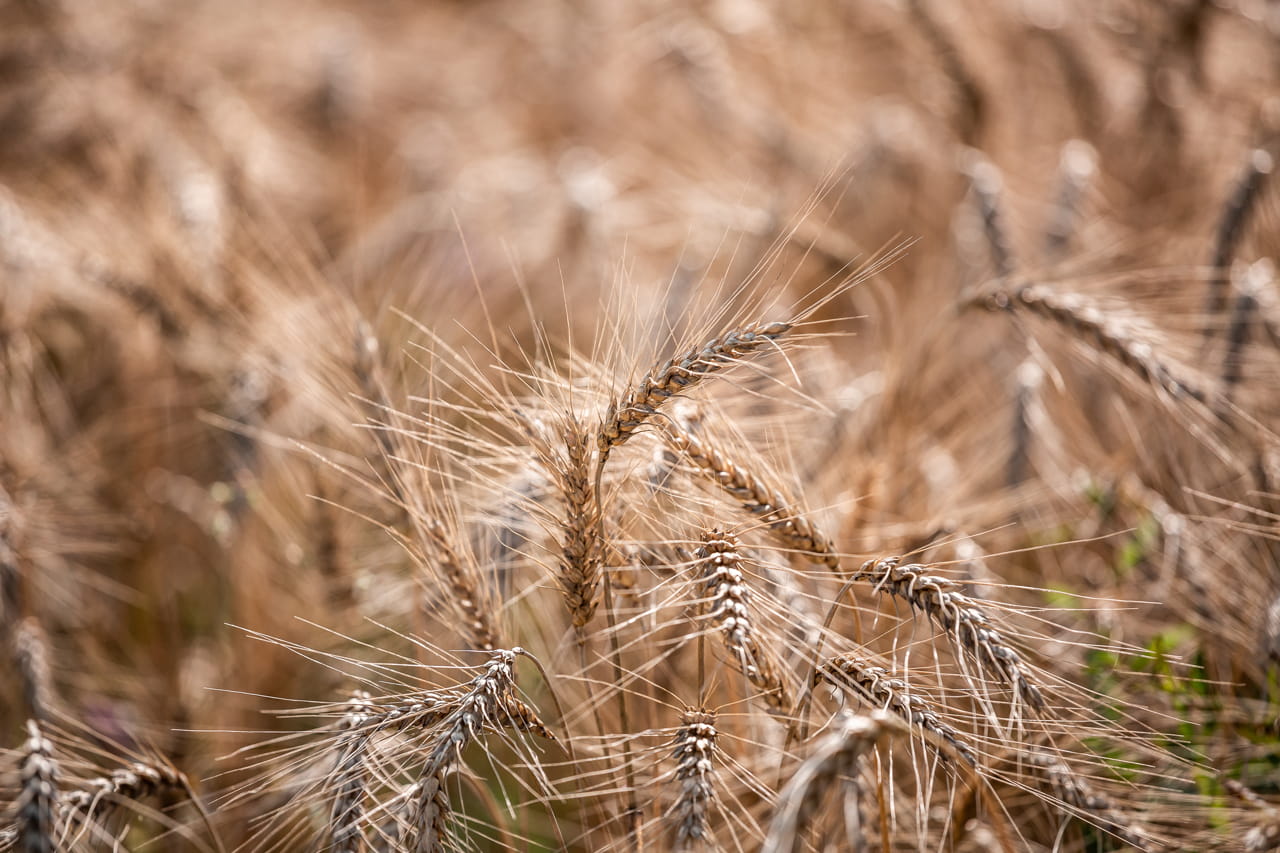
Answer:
(485, 427)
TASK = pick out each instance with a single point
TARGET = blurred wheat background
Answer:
(727, 425)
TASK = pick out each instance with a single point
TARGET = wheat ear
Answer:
(30, 654)
(874, 685)
(726, 607)
(956, 614)
(1076, 792)
(581, 555)
(468, 595)
(987, 183)
(1073, 312)
(1265, 833)
(680, 374)
(349, 777)
(756, 496)
(486, 704)
(694, 751)
(36, 808)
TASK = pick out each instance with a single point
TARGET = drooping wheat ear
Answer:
(429, 812)
(986, 181)
(874, 685)
(1231, 228)
(1106, 335)
(727, 608)
(836, 759)
(485, 705)
(1075, 791)
(349, 777)
(582, 554)
(130, 784)
(680, 374)
(957, 615)
(30, 653)
(695, 755)
(1264, 835)
(36, 808)
(756, 496)
(1076, 169)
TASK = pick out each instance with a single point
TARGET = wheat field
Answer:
(731, 425)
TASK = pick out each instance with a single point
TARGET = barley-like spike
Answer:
(1073, 312)
(727, 607)
(102, 795)
(678, 375)
(36, 808)
(1076, 792)
(957, 615)
(581, 555)
(695, 755)
(430, 813)
(757, 497)
(836, 757)
(1231, 228)
(875, 686)
(349, 777)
